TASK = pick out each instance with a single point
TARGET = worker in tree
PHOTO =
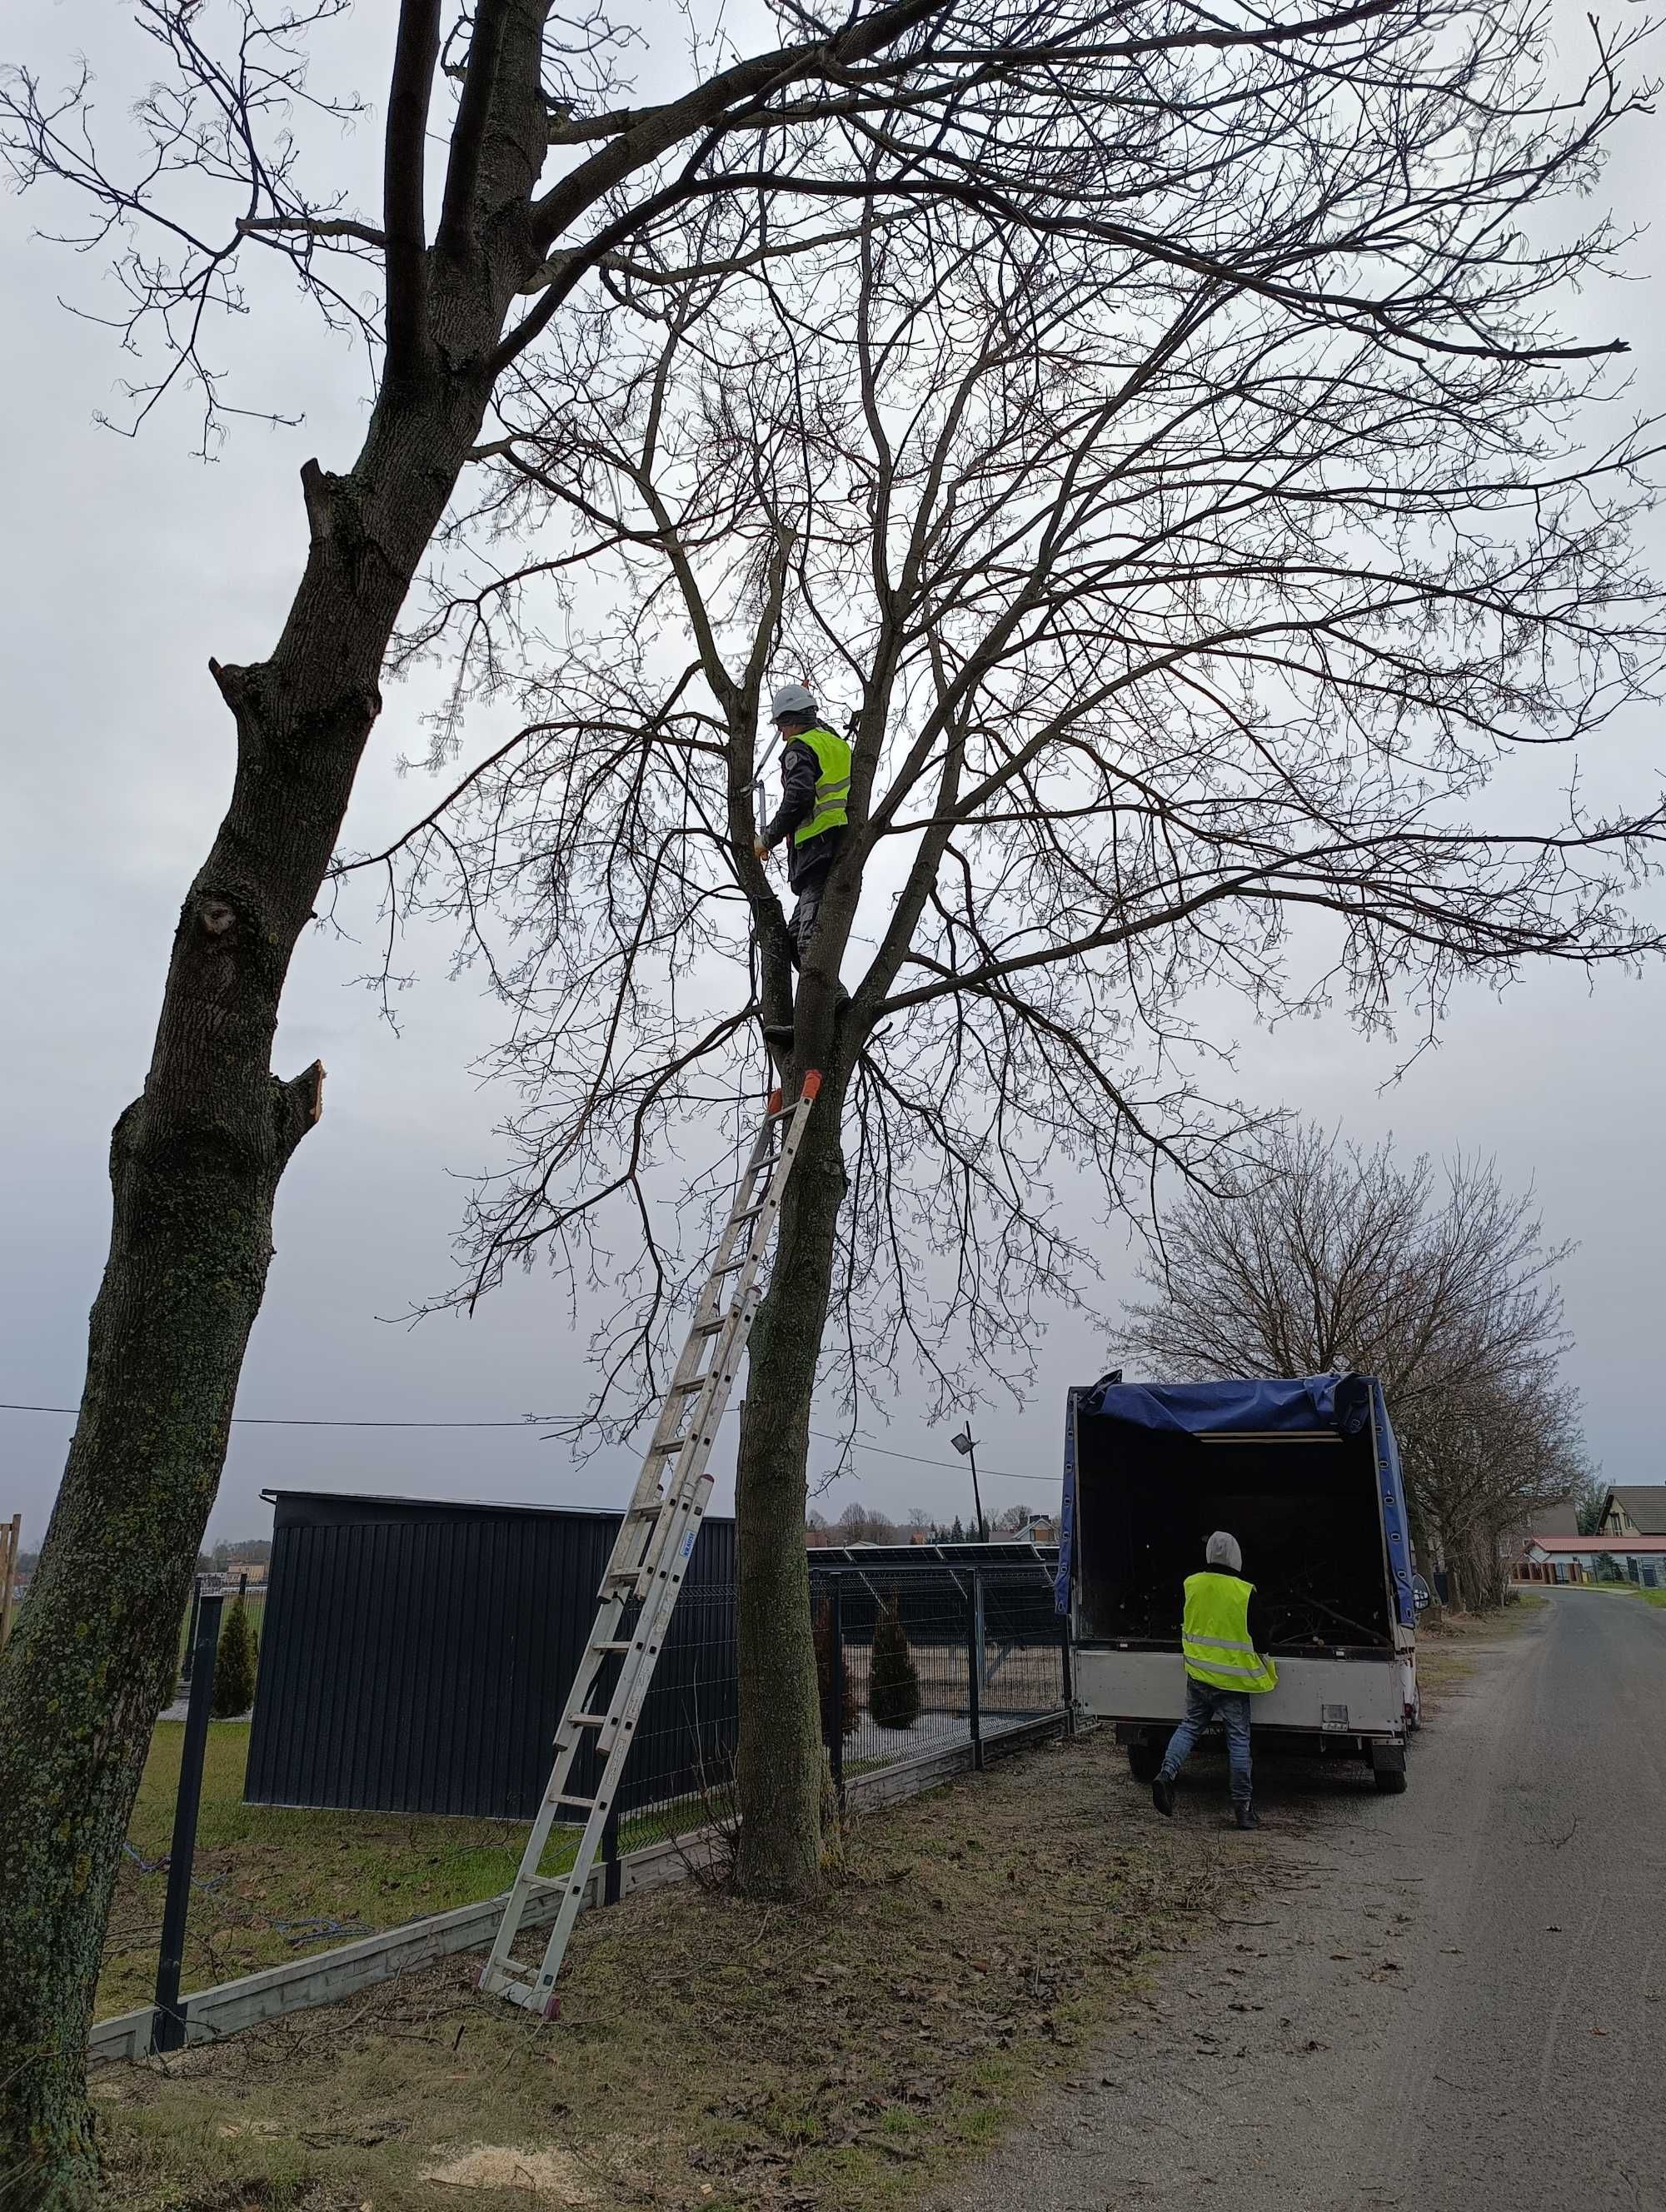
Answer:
(815, 786)
(1222, 1636)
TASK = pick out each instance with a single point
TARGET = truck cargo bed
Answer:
(1303, 1507)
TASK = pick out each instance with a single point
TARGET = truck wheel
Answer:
(1144, 1759)
(1387, 1768)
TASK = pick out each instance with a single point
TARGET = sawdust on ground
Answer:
(715, 2054)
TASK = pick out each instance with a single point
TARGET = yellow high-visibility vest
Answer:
(1214, 1636)
(832, 783)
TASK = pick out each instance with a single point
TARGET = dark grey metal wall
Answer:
(416, 1656)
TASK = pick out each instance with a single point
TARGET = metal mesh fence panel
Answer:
(910, 1661)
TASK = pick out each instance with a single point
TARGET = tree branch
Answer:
(415, 55)
(454, 237)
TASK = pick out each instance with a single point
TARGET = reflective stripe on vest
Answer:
(832, 783)
(1215, 1636)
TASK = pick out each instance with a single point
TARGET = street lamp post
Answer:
(966, 1445)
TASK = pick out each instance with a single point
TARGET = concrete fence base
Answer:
(330, 1975)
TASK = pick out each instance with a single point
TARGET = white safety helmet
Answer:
(792, 700)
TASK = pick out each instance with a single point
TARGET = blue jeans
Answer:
(1232, 1709)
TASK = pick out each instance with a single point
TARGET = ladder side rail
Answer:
(701, 1336)
(568, 1745)
(652, 1548)
(708, 1404)
(657, 1613)
(528, 1883)
(689, 1483)
(637, 1696)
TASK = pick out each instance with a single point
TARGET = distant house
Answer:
(1640, 1560)
(1634, 1509)
(1556, 1521)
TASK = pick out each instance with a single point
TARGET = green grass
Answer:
(258, 1866)
(712, 2051)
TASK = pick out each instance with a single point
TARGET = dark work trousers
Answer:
(1205, 1703)
(808, 867)
(807, 914)
(809, 879)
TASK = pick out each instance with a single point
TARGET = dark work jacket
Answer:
(799, 771)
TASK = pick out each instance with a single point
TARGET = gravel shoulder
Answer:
(1454, 2000)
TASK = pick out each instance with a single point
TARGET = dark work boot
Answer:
(1162, 1794)
(1245, 1815)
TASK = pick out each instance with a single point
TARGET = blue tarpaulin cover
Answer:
(1305, 1403)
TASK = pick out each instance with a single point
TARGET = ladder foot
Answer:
(671, 1497)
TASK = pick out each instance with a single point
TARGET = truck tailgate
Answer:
(1358, 1697)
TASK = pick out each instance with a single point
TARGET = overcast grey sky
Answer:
(127, 563)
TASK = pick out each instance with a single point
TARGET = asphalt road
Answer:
(1453, 2000)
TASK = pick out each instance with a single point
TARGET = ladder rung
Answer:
(657, 1572)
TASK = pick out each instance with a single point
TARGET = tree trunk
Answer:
(195, 1164)
(779, 1768)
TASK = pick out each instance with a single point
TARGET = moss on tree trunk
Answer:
(195, 1165)
(779, 1765)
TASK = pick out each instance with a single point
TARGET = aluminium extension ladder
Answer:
(650, 1558)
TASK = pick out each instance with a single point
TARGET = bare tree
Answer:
(1183, 579)
(1487, 1459)
(1321, 1256)
(864, 1524)
(547, 180)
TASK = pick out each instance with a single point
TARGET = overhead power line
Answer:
(543, 1421)
(300, 1421)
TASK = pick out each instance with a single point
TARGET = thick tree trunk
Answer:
(195, 1164)
(779, 1770)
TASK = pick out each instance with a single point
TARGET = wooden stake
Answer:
(11, 1544)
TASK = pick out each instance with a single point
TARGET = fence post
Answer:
(835, 1689)
(167, 2031)
(974, 1665)
(1066, 1683)
(611, 1879)
(191, 1633)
